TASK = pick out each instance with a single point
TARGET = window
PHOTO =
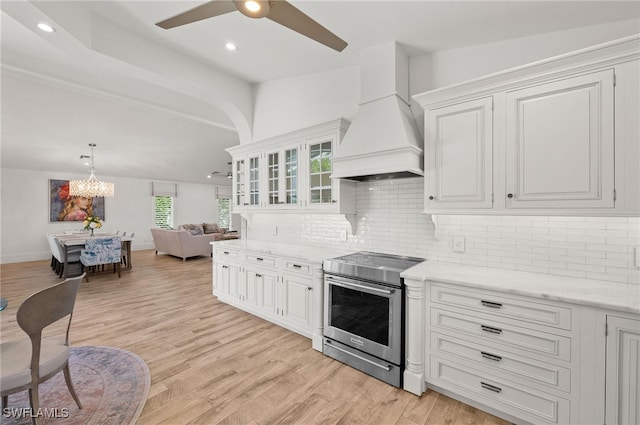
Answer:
(163, 216)
(223, 213)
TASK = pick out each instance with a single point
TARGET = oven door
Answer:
(364, 315)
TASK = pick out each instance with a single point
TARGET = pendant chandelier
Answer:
(92, 187)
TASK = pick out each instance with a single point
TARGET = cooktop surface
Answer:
(373, 266)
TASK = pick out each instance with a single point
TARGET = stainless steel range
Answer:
(364, 312)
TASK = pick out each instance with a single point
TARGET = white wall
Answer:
(291, 104)
(458, 65)
(24, 214)
(390, 220)
(283, 106)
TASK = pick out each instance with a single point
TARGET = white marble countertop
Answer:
(302, 252)
(595, 293)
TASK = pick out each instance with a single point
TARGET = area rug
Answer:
(112, 385)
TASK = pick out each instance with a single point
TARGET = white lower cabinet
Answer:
(228, 272)
(296, 300)
(284, 290)
(513, 354)
(524, 358)
(623, 371)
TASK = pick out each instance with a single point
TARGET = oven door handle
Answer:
(357, 286)
(387, 367)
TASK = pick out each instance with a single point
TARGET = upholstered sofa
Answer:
(181, 243)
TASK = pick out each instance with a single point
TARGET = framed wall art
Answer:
(64, 207)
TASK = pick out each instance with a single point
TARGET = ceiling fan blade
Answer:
(293, 18)
(198, 13)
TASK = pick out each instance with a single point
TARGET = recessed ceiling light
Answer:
(230, 46)
(45, 27)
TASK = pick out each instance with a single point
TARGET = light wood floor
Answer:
(213, 364)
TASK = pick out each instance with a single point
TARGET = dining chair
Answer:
(56, 255)
(125, 260)
(30, 361)
(101, 251)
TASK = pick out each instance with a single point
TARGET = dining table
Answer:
(74, 241)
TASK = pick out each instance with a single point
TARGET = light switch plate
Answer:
(458, 244)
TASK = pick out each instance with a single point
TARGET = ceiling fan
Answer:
(229, 175)
(280, 11)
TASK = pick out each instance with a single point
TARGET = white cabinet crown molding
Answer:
(576, 62)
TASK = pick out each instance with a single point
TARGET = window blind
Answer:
(223, 192)
(164, 189)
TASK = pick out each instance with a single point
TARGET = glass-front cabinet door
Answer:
(321, 188)
(273, 179)
(253, 180)
(291, 176)
(282, 177)
(238, 184)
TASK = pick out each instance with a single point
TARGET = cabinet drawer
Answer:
(493, 303)
(492, 359)
(297, 266)
(522, 402)
(523, 339)
(222, 254)
(263, 260)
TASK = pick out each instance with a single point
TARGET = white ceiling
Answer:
(59, 96)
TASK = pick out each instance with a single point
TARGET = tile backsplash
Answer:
(390, 219)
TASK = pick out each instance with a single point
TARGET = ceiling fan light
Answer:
(253, 8)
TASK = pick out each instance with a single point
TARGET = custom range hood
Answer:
(383, 140)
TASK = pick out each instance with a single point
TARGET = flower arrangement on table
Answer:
(92, 222)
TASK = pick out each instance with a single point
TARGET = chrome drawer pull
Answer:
(490, 304)
(490, 356)
(259, 259)
(297, 266)
(226, 252)
(490, 387)
(491, 330)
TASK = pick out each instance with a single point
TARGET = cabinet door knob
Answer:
(309, 288)
(510, 195)
(431, 198)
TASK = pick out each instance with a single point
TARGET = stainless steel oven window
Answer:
(361, 313)
(384, 339)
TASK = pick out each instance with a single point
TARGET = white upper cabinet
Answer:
(292, 172)
(322, 192)
(238, 183)
(556, 137)
(560, 143)
(283, 177)
(459, 146)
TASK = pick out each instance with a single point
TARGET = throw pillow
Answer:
(211, 228)
(194, 229)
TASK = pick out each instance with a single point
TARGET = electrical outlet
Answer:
(458, 244)
(638, 257)
(344, 235)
